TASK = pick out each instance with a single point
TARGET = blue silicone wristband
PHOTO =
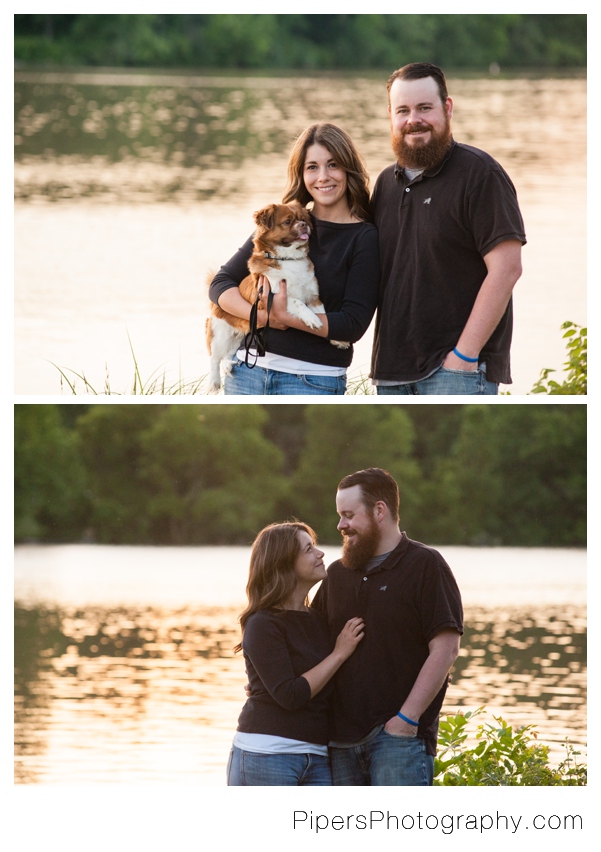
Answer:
(407, 719)
(464, 357)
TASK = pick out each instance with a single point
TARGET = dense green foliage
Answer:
(49, 476)
(302, 41)
(502, 757)
(201, 473)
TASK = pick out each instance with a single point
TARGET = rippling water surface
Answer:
(130, 187)
(125, 670)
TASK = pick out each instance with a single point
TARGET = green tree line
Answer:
(312, 42)
(211, 474)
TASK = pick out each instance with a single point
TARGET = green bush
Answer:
(575, 366)
(503, 757)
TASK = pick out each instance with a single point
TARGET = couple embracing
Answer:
(345, 691)
(436, 250)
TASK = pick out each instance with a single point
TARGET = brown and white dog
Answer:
(281, 252)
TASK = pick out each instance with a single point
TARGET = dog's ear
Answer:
(300, 210)
(265, 217)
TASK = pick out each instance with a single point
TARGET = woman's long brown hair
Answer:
(271, 576)
(342, 149)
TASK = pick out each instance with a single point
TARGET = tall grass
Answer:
(76, 383)
(358, 384)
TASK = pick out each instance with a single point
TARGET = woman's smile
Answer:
(325, 181)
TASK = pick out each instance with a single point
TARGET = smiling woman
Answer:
(327, 184)
(282, 735)
(325, 171)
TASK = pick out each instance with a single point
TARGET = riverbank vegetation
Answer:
(503, 756)
(576, 365)
(358, 384)
(309, 42)
(165, 473)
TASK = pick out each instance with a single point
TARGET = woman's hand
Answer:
(281, 318)
(279, 307)
(349, 637)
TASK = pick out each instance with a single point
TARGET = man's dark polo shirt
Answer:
(405, 602)
(434, 233)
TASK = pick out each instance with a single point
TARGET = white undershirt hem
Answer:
(282, 364)
(268, 744)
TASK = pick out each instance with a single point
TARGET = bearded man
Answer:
(451, 234)
(388, 694)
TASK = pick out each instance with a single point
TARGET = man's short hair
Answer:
(376, 484)
(417, 70)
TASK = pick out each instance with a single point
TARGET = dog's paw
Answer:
(304, 313)
(311, 322)
(341, 344)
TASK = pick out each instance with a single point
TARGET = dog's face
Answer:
(283, 224)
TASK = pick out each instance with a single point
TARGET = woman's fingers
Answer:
(265, 285)
(279, 308)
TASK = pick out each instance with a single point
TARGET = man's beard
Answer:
(359, 548)
(422, 156)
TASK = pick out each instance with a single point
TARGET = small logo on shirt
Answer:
(383, 588)
(427, 200)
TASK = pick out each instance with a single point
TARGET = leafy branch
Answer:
(502, 757)
(575, 366)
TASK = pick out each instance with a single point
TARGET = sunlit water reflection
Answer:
(125, 668)
(131, 186)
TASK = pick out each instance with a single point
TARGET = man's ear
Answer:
(380, 510)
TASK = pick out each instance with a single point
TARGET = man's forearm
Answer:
(444, 649)
(486, 314)
(504, 267)
(429, 681)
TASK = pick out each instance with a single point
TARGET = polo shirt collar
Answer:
(399, 171)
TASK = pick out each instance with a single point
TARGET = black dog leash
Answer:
(255, 339)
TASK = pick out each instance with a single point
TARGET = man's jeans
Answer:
(251, 769)
(384, 761)
(443, 381)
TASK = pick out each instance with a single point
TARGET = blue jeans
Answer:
(258, 381)
(443, 381)
(384, 761)
(251, 769)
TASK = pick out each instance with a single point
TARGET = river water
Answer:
(125, 670)
(131, 186)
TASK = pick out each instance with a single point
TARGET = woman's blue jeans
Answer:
(251, 769)
(384, 761)
(258, 381)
